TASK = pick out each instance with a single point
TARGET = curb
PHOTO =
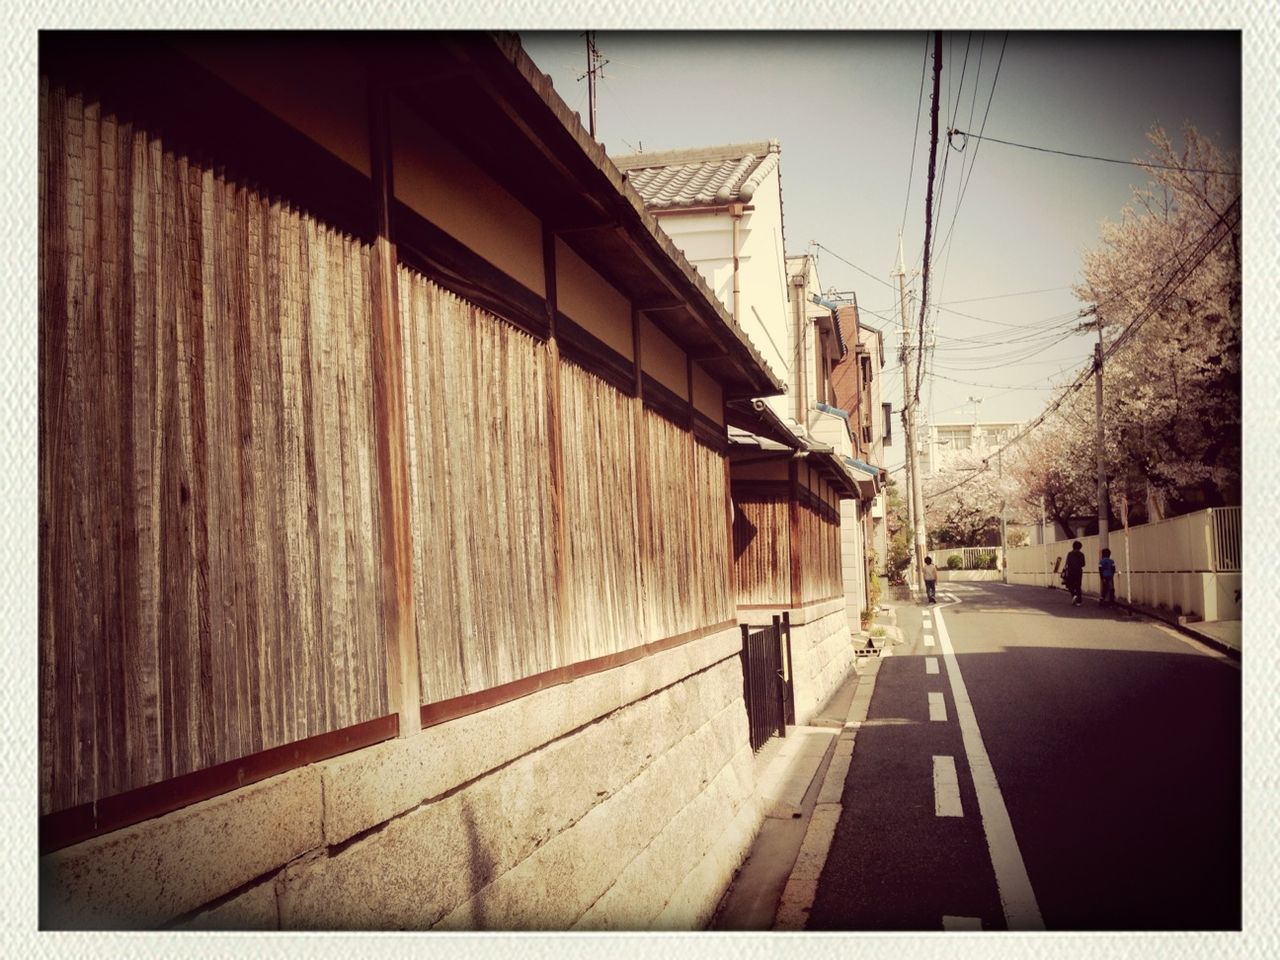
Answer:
(802, 885)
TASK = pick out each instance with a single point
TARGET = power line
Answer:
(1003, 296)
(915, 134)
(1084, 156)
(1168, 288)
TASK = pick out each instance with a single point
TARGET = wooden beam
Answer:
(403, 686)
(555, 453)
(640, 456)
(793, 509)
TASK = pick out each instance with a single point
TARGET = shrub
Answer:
(955, 562)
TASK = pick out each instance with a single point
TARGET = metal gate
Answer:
(766, 679)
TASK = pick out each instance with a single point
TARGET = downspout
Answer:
(797, 359)
(735, 211)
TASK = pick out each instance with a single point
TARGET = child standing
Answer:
(930, 578)
(1107, 573)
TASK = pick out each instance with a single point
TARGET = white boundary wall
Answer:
(1181, 563)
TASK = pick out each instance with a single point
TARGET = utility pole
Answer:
(1103, 539)
(1004, 540)
(908, 433)
(917, 487)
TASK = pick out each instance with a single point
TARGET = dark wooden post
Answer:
(555, 452)
(780, 679)
(403, 686)
(641, 461)
(793, 509)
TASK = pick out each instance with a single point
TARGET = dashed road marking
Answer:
(930, 664)
(961, 923)
(928, 640)
(946, 788)
(937, 706)
(1021, 910)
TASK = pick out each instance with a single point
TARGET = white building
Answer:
(943, 441)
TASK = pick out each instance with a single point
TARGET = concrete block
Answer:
(817, 842)
(832, 790)
(680, 848)
(145, 875)
(253, 909)
(795, 905)
(693, 904)
(478, 834)
(560, 881)
(369, 787)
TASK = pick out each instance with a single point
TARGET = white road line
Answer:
(937, 706)
(946, 788)
(961, 923)
(928, 640)
(930, 664)
(1021, 910)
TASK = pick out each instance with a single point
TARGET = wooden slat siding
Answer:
(601, 578)
(483, 536)
(671, 563)
(762, 548)
(819, 543)
(179, 580)
(714, 556)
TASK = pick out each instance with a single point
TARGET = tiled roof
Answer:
(701, 177)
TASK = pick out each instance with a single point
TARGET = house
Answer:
(386, 569)
(789, 454)
(857, 388)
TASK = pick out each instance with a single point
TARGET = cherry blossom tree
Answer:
(1165, 283)
(962, 503)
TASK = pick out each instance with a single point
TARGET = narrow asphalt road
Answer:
(1077, 768)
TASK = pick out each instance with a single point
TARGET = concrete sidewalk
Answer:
(802, 778)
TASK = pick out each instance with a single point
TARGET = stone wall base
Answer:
(624, 800)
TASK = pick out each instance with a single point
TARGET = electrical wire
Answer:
(1085, 156)
(915, 135)
(1167, 289)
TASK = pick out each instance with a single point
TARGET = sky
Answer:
(849, 112)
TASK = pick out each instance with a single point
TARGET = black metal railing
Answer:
(767, 685)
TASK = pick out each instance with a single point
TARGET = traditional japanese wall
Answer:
(215, 496)
(621, 800)
(210, 566)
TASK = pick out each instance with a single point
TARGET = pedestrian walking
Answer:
(930, 579)
(1107, 574)
(1074, 573)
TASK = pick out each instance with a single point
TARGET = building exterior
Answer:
(943, 440)
(386, 574)
(789, 455)
(856, 384)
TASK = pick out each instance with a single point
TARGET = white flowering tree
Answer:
(962, 504)
(1165, 280)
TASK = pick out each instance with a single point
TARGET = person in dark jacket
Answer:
(1074, 573)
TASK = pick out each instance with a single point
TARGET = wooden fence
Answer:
(786, 541)
(211, 510)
